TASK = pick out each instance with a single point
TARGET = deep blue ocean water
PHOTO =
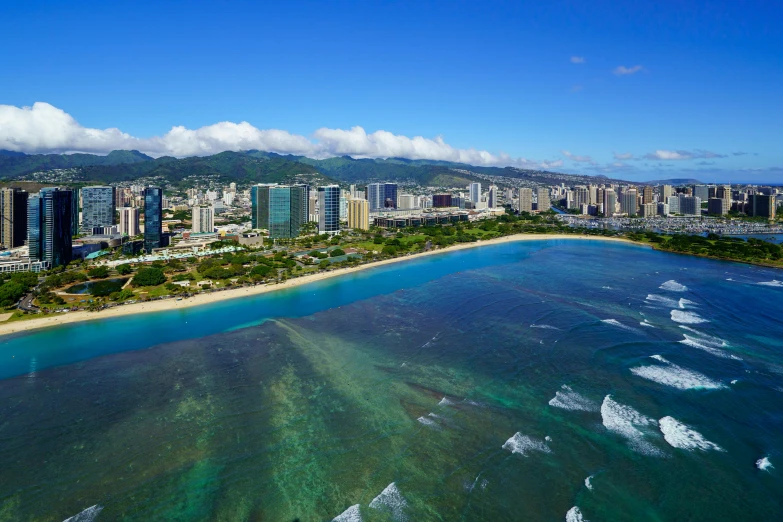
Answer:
(535, 380)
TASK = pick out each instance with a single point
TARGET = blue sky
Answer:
(530, 84)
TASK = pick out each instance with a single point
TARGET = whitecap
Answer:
(685, 302)
(427, 421)
(568, 399)
(645, 323)
(659, 358)
(678, 435)
(575, 515)
(589, 483)
(662, 300)
(706, 346)
(618, 324)
(544, 326)
(522, 444)
(764, 464)
(734, 381)
(774, 282)
(625, 421)
(676, 376)
(673, 286)
(352, 514)
(685, 317)
(88, 515)
(445, 402)
(391, 501)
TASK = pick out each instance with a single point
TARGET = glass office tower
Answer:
(153, 218)
(279, 209)
(13, 211)
(49, 222)
(98, 208)
(329, 209)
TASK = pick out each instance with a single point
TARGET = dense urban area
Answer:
(69, 244)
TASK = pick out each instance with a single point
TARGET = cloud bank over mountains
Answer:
(44, 128)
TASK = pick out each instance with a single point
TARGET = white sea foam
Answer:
(647, 324)
(659, 358)
(618, 324)
(589, 483)
(683, 303)
(445, 402)
(673, 286)
(575, 515)
(764, 464)
(544, 326)
(352, 514)
(734, 381)
(679, 435)
(685, 317)
(522, 444)
(676, 376)
(700, 344)
(391, 501)
(626, 421)
(88, 515)
(427, 421)
(568, 399)
(774, 282)
(661, 300)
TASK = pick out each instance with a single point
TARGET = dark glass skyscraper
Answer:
(98, 208)
(49, 222)
(13, 212)
(381, 196)
(329, 209)
(74, 211)
(278, 209)
(153, 218)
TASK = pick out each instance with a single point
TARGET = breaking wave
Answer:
(684, 317)
(575, 515)
(682, 303)
(676, 376)
(391, 501)
(522, 444)
(544, 326)
(618, 324)
(352, 514)
(568, 399)
(661, 300)
(88, 515)
(673, 286)
(707, 346)
(625, 421)
(764, 464)
(774, 282)
(678, 435)
(588, 483)
(427, 421)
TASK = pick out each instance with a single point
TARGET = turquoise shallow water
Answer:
(523, 381)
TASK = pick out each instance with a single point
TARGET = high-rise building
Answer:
(441, 200)
(381, 196)
(666, 191)
(718, 206)
(305, 202)
(543, 205)
(581, 197)
(49, 222)
(647, 195)
(723, 192)
(761, 205)
(203, 220)
(674, 204)
(690, 205)
(359, 214)
(329, 208)
(75, 205)
(98, 208)
(278, 209)
(525, 200)
(153, 218)
(702, 192)
(649, 209)
(406, 201)
(13, 212)
(628, 202)
(129, 221)
(610, 202)
(492, 197)
(475, 192)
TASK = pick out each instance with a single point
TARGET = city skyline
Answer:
(628, 94)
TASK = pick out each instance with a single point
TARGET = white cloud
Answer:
(574, 157)
(44, 128)
(577, 59)
(623, 71)
(679, 155)
(622, 155)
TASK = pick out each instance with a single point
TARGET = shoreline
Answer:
(172, 303)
